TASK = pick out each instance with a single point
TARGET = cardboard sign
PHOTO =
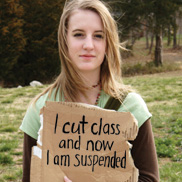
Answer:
(85, 143)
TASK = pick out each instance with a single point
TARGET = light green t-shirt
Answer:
(133, 103)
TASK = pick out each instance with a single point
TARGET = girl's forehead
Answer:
(89, 18)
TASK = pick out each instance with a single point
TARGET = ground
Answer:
(161, 91)
(141, 55)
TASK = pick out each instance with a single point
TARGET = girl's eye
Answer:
(99, 36)
(78, 35)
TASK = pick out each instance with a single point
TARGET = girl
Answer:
(89, 50)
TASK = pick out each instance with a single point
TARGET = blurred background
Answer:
(28, 38)
(151, 30)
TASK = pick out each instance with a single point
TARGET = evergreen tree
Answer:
(155, 15)
(40, 60)
(128, 16)
(12, 39)
(164, 12)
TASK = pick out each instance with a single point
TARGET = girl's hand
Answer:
(66, 179)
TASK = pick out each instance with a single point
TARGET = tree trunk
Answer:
(175, 37)
(169, 36)
(179, 40)
(180, 30)
(158, 50)
(147, 38)
(133, 38)
(158, 35)
(151, 44)
(175, 28)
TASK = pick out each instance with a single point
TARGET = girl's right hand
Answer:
(66, 179)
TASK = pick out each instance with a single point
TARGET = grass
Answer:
(13, 104)
(140, 62)
(147, 68)
(162, 93)
(171, 172)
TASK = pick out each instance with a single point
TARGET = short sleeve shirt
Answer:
(133, 103)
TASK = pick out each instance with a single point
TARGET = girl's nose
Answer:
(88, 43)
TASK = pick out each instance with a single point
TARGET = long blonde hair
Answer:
(69, 81)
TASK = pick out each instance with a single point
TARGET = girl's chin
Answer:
(88, 69)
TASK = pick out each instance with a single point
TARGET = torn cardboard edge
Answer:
(53, 144)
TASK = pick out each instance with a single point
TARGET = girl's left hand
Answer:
(66, 179)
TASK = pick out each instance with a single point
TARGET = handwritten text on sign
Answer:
(89, 160)
(87, 143)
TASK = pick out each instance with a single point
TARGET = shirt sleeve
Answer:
(28, 143)
(134, 104)
(144, 154)
(31, 121)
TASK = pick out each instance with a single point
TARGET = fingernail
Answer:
(65, 178)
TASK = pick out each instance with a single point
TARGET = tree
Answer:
(28, 32)
(40, 60)
(12, 39)
(165, 14)
(128, 16)
(155, 15)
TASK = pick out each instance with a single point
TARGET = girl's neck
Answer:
(91, 96)
(91, 79)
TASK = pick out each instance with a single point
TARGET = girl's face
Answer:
(86, 40)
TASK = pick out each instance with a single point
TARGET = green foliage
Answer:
(9, 177)
(163, 95)
(5, 159)
(8, 129)
(12, 38)
(131, 15)
(17, 153)
(171, 172)
(165, 147)
(12, 176)
(29, 49)
(28, 34)
(7, 145)
(176, 127)
(40, 59)
(135, 17)
(147, 68)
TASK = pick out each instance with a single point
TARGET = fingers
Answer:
(66, 179)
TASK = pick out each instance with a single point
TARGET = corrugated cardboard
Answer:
(85, 143)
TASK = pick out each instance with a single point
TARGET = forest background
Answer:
(28, 34)
(152, 32)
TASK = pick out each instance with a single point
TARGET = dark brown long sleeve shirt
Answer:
(143, 153)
